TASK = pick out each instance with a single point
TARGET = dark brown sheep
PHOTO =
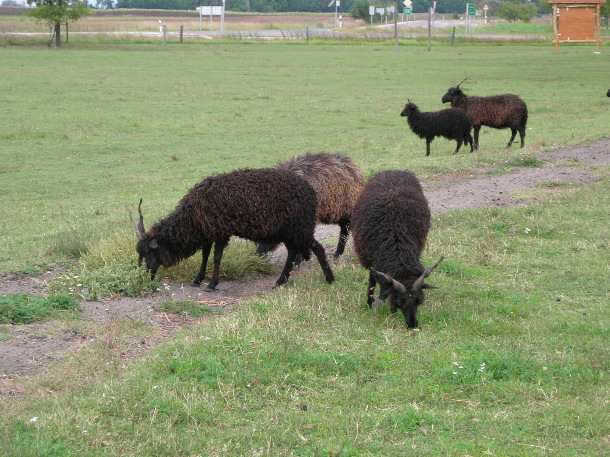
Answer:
(265, 205)
(390, 225)
(496, 111)
(337, 180)
(451, 123)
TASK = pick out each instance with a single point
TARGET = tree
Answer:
(57, 12)
(509, 11)
(527, 11)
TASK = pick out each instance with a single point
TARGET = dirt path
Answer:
(30, 347)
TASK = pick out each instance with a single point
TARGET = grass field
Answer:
(86, 132)
(512, 358)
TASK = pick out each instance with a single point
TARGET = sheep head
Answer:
(454, 93)
(147, 246)
(410, 107)
(404, 298)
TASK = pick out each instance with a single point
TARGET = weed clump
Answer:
(24, 308)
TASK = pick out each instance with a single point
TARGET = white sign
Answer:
(381, 11)
(210, 10)
(331, 3)
(371, 10)
(390, 9)
(407, 3)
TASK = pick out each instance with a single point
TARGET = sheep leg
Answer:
(371, 289)
(205, 254)
(459, 145)
(522, 136)
(476, 129)
(428, 141)
(512, 137)
(468, 140)
(343, 234)
(218, 250)
(292, 253)
(318, 250)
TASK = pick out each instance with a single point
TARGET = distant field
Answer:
(86, 132)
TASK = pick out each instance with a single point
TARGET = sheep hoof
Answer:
(195, 284)
(209, 289)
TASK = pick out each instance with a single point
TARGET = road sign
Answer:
(407, 3)
(406, 11)
(471, 9)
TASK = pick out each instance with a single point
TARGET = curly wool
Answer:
(390, 224)
(507, 111)
(264, 205)
(452, 124)
(337, 180)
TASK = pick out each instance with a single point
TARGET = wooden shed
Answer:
(577, 21)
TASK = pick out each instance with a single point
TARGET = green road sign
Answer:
(471, 9)
(406, 11)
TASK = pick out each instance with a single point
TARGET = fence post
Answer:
(164, 37)
(453, 36)
(182, 30)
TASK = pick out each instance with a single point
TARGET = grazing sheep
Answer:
(265, 205)
(390, 225)
(496, 111)
(337, 180)
(451, 123)
(608, 94)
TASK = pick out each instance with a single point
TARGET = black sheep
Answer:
(337, 180)
(496, 111)
(451, 123)
(264, 205)
(390, 225)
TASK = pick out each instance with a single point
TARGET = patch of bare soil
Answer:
(28, 348)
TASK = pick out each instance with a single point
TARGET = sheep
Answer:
(337, 180)
(390, 225)
(496, 111)
(262, 205)
(451, 123)
(608, 94)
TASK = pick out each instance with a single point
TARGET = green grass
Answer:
(88, 130)
(512, 359)
(22, 308)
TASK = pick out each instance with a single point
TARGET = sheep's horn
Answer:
(139, 225)
(420, 281)
(458, 85)
(399, 287)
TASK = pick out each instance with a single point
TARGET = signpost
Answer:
(471, 12)
(337, 4)
(212, 11)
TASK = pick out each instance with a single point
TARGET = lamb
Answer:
(390, 225)
(451, 123)
(496, 111)
(262, 205)
(337, 180)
